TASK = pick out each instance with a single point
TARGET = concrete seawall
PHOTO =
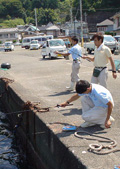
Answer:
(42, 146)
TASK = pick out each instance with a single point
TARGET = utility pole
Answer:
(81, 23)
(74, 27)
(85, 17)
(36, 19)
(71, 18)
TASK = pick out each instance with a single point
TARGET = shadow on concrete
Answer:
(72, 112)
(62, 93)
(97, 130)
(46, 59)
(92, 130)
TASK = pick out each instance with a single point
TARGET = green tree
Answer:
(53, 4)
(12, 22)
(47, 15)
(12, 7)
(30, 20)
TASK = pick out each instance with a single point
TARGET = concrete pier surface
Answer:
(45, 81)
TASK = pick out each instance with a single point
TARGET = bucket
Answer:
(117, 64)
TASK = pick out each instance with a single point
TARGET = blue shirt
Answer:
(76, 52)
(99, 95)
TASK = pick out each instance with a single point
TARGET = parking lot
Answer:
(45, 80)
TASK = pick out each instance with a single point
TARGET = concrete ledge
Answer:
(45, 150)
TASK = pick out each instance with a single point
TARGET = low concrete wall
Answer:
(44, 150)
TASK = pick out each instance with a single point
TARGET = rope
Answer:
(96, 148)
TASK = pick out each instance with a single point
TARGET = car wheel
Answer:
(113, 51)
(66, 57)
(50, 56)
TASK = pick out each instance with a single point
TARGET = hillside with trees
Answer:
(14, 12)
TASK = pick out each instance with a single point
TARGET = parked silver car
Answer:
(111, 42)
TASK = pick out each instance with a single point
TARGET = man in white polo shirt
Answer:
(97, 104)
(102, 55)
(76, 53)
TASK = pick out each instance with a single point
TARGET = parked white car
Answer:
(8, 46)
(34, 45)
(117, 37)
(109, 41)
(53, 45)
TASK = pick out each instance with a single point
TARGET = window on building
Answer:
(6, 35)
(0, 35)
(12, 35)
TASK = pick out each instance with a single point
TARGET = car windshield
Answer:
(7, 44)
(56, 43)
(34, 42)
(108, 39)
(26, 40)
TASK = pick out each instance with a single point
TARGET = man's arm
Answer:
(64, 54)
(73, 98)
(88, 57)
(107, 121)
(113, 68)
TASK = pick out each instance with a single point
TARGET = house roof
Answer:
(34, 27)
(116, 15)
(5, 30)
(106, 22)
(53, 27)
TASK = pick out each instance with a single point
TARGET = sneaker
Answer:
(87, 124)
(69, 88)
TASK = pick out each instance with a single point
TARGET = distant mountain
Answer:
(53, 10)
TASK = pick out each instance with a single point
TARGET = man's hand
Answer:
(84, 57)
(107, 123)
(64, 104)
(56, 52)
(114, 75)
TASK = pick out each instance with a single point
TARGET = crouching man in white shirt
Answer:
(97, 104)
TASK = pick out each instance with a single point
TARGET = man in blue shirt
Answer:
(76, 53)
(97, 104)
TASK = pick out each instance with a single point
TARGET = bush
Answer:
(14, 41)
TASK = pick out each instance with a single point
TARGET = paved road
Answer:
(46, 80)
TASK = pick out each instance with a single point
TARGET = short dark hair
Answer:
(82, 86)
(75, 39)
(99, 36)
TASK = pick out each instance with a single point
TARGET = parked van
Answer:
(8, 46)
(53, 45)
(26, 41)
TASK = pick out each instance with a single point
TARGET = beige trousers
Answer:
(75, 71)
(91, 113)
(101, 79)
